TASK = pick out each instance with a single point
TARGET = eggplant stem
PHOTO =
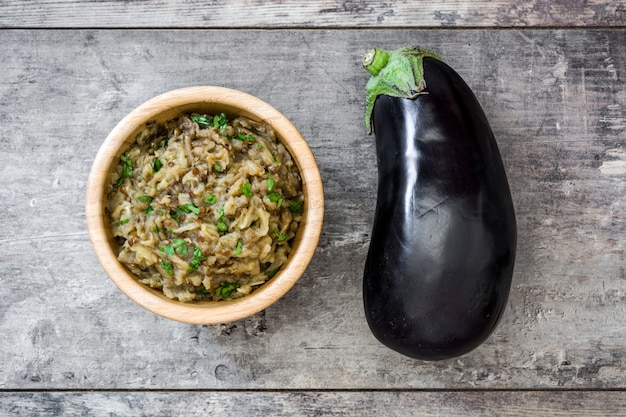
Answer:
(398, 73)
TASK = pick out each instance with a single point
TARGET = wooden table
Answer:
(551, 76)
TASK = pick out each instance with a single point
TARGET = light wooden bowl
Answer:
(210, 100)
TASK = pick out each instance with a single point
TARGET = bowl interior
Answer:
(211, 100)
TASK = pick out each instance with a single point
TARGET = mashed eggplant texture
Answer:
(204, 208)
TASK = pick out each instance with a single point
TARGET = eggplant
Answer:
(440, 261)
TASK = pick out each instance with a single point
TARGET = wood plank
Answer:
(310, 14)
(304, 403)
(556, 102)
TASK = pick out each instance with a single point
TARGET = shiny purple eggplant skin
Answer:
(440, 261)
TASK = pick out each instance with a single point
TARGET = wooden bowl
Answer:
(212, 100)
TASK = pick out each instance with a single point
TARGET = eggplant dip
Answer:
(205, 208)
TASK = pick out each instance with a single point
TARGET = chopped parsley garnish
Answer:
(180, 246)
(276, 198)
(295, 206)
(169, 249)
(197, 259)
(123, 221)
(167, 266)
(225, 290)
(246, 189)
(271, 273)
(238, 248)
(146, 199)
(244, 137)
(279, 236)
(187, 208)
(157, 165)
(220, 121)
(201, 120)
(218, 168)
(210, 199)
(270, 183)
(156, 229)
(127, 170)
(221, 223)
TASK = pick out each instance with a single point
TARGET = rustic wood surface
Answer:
(311, 13)
(309, 404)
(73, 344)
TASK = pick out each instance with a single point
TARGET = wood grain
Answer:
(324, 403)
(556, 102)
(310, 14)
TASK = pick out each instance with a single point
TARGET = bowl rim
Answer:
(122, 136)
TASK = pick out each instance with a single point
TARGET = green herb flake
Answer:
(279, 236)
(220, 121)
(238, 248)
(295, 206)
(180, 246)
(244, 137)
(221, 226)
(201, 120)
(225, 290)
(157, 165)
(123, 221)
(270, 183)
(210, 199)
(270, 274)
(196, 261)
(246, 189)
(182, 250)
(218, 168)
(156, 229)
(146, 199)
(169, 250)
(127, 170)
(275, 198)
(167, 266)
(188, 208)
